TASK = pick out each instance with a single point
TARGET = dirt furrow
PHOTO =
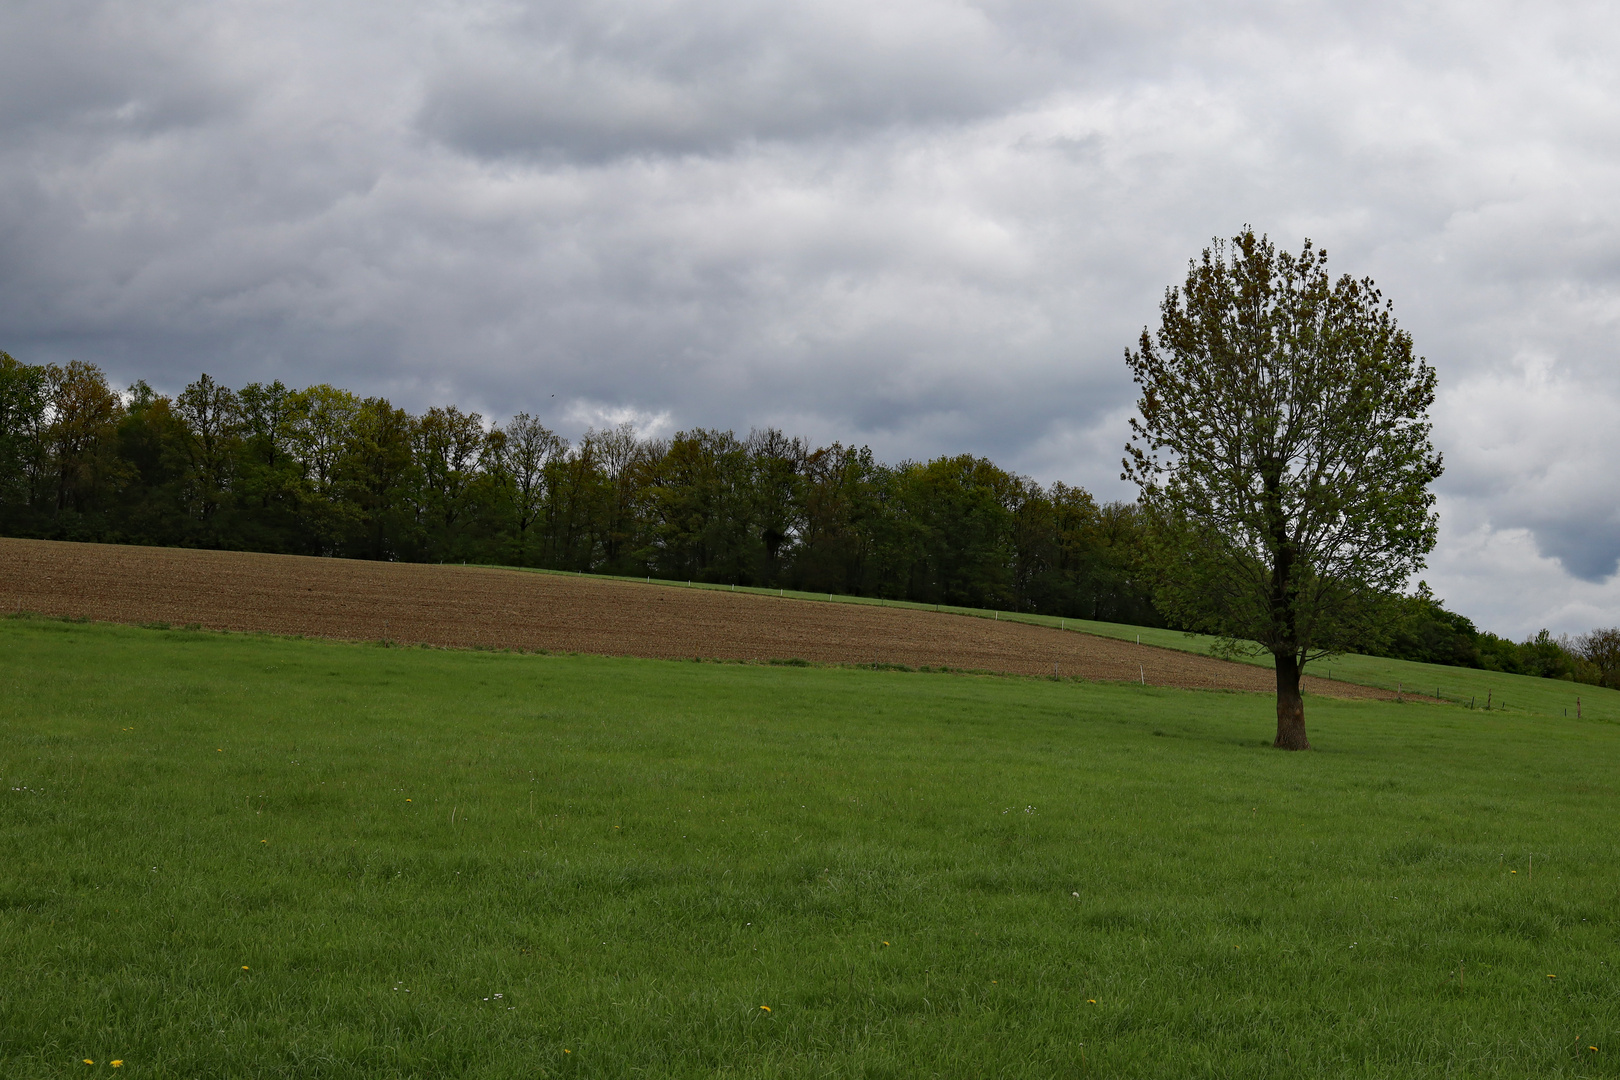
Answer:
(479, 606)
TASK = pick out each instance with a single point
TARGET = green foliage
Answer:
(320, 471)
(22, 420)
(1424, 630)
(1597, 655)
(1283, 451)
(223, 855)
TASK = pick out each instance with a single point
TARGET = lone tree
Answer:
(1283, 454)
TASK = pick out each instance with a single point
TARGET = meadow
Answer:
(250, 856)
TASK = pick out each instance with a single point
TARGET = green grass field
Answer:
(1518, 694)
(236, 856)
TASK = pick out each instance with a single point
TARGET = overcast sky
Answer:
(925, 225)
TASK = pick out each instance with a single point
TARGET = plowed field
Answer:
(477, 606)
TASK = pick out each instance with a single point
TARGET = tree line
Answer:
(1424, 630)
(322, 471)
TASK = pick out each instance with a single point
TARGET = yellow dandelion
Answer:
(118, 1064)
(1552, 976)
(885, 943)
(1513, 871)
(87, 1061)
(567, 1051)
(407, 800)
(1593, 1048)
(264, 841)
(767, 1008)
(1091, 1001)
(244, 967)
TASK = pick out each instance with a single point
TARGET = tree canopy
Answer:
(322, 471)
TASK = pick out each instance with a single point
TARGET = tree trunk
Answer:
(1290, 706)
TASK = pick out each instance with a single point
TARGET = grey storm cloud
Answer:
(930, 226)
(597, 81)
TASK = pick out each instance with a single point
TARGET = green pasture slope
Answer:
(1519, 694)
(236, 856)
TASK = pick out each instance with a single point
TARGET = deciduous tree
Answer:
(1283, 454)
(84, 415)
(1601, 649)
(24, 397)
(521, 458)
(212, 419)
(447, 445)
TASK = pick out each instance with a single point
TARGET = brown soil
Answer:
(509, 609)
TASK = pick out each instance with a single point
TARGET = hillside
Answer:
(1455, 685)
(482, 607)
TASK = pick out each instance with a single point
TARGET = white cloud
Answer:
(596, 416)
(1532, 441)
